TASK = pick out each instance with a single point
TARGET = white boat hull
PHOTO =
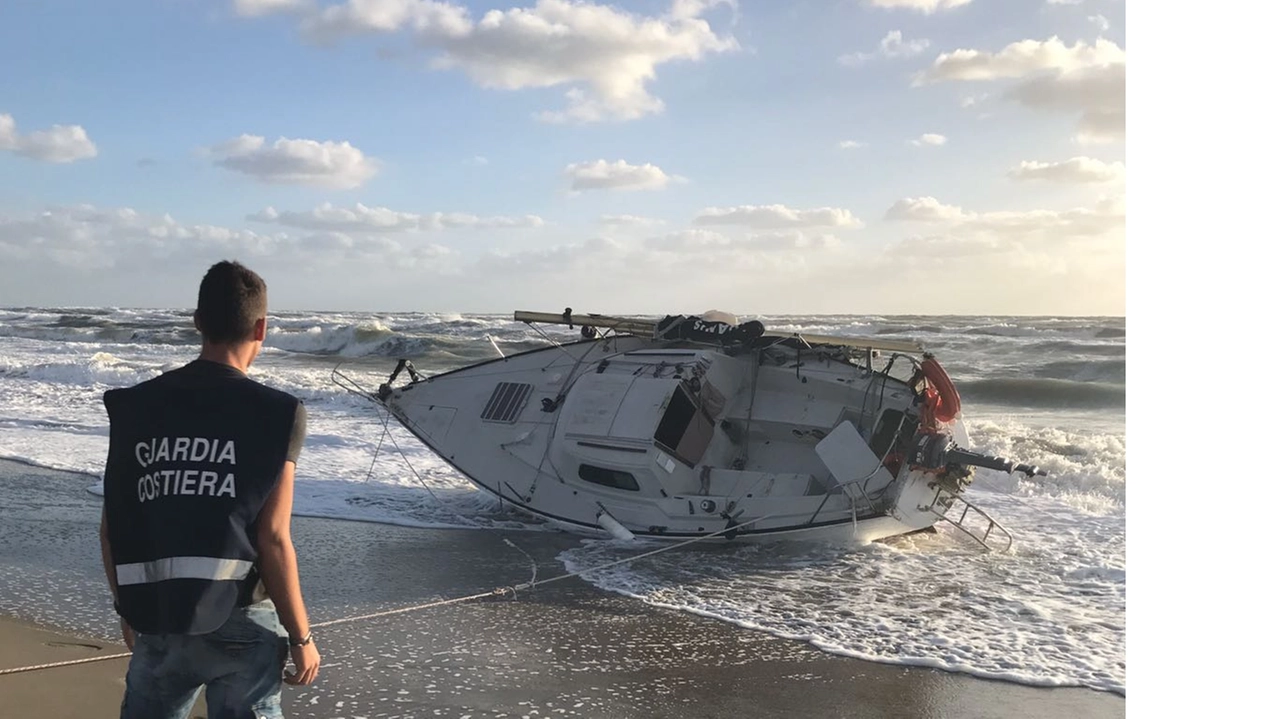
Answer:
(675, 440)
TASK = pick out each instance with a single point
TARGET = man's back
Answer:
(194, 454)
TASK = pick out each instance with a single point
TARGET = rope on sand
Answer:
(498, 592)
(51, 665)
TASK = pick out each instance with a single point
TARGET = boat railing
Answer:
(945, 503)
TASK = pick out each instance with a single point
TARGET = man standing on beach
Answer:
(195, 522)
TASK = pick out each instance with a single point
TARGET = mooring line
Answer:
(51, 665)
(497, 592)
(386, 427)
(533, 564)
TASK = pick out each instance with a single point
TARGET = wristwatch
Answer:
(300, 642)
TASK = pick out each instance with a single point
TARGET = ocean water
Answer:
(1048, 391)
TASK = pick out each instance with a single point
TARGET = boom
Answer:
(645, 328)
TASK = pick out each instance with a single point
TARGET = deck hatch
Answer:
(505, 403)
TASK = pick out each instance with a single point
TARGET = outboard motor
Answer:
(932, 451)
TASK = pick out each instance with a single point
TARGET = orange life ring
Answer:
(948, 405)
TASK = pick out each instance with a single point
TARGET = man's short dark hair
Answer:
(232, 298)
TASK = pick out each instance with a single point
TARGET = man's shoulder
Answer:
(162, 381)
(270, 393)
(285, 401)
(116, 393)
(167, 375)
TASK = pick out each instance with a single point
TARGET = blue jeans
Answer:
(239, 665)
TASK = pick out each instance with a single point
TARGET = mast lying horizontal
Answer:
(645, 328)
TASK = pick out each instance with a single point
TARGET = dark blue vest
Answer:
(194, 454)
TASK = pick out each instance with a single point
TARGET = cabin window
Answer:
(685, 431)
(614, 478)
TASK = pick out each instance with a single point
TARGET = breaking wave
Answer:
(375, 339)
(98, 331)
(1094, 348)
(1012, 331)
(1111, 371)
(101, 368)
(1044, 392)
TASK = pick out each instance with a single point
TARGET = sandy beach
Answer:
(566, 649)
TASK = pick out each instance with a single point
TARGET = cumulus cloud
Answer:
(256, 8)
(851, 144)
(923, 209)
(1004, 257)
(629, 220)
(623, 272)
(891, 46)
(381, 220)
(695, 241)
(604, 55)
(1081, 78)
(86, 236)
(945, 248)
(929, 139)
(978, 265)
(791, 240)
(620, 175)
(1097, 94)
(341, 219)
(59, 143)
(777, 217)
(928, 7)
(93, 238)
(622, 269)
(1101, 21)
(330, 164)
(593, 256)
(1107, 215)
(1023, 58)
(685, 240)
(1074, 170)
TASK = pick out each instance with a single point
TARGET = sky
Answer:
(646, 156)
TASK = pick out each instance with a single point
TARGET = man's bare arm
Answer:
(278, 565)
(277, 561)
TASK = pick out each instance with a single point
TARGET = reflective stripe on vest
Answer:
(182, 568)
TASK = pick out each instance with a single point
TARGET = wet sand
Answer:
(565, 649)
(83, 691)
